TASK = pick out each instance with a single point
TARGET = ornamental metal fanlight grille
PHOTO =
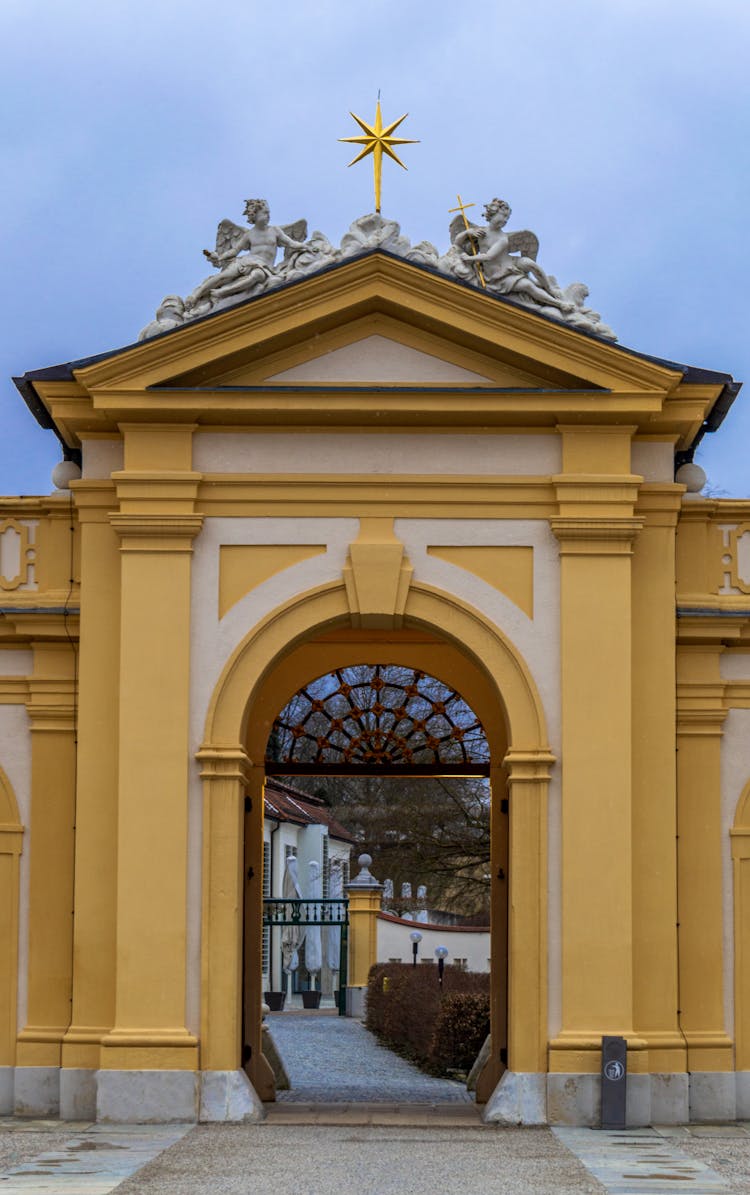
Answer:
(376, 718)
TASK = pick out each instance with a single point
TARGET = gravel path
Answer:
(318, 1160)
(332, 1059)
(20, 1141)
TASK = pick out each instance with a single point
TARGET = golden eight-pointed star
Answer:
(378, 141)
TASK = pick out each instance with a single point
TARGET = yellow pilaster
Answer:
(11, 843)
(655, 1001)
(156, 524)
(226, 775)
(528, 783)
(94, 931)
(700, 720)
(52, 715)
(364, 905)
(741, 866)
(596, 528)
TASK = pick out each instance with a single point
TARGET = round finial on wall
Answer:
(692, 476)
(63, 473)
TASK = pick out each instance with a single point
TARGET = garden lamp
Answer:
(441, 954)
(416, 938)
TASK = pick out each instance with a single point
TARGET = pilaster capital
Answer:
(156, 532)
(51, 705)
(224, 763)
(529, 767)
(659, 504)
(700, 723)
(595, 536)
(94, 499)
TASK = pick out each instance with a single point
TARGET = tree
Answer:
(423, 831)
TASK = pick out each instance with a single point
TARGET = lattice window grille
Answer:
(377, 716)
(326, 870)
(266, 944)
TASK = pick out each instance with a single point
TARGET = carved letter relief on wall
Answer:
(17, 555)
(735, 558)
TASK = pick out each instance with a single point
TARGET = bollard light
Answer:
(416, 938)
(441, 954)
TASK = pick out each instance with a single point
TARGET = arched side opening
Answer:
(274, 660)
(11, 840)
(740, 833)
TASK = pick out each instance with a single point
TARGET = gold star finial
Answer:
(378, 141)
(472, 241)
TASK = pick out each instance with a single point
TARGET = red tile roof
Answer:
(286, 804)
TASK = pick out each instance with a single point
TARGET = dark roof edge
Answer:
(25, 387)
(712, 422)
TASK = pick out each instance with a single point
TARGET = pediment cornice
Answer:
(539, 372)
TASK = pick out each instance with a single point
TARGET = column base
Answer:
(228, 1097)
(77, 1093)
(576, 1099)
(743, 1095)
(519, 1098)
(669, 1099)
(356, 1002)
(713, 1096)
(6, 1090)
(36, 1091)
(147, 1096)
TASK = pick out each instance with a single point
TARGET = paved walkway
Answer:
(47, 1158)
(334, 1060)
(54, 1158)
(644, 1161)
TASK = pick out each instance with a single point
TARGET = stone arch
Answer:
(228, 774)
(446, 614)
(11, 838)
(740, 834)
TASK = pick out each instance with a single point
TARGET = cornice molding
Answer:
(156, 532)
(595, 536)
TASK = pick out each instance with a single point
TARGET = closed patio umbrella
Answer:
(292, 936)
(313, 946)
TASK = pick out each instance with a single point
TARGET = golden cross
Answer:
(378, 141)
(462, 209)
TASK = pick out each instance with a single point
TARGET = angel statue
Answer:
(245, 257)
(493, 249)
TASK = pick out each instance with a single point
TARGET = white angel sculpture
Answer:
(509, 267)
(245, 257)
(494, 250)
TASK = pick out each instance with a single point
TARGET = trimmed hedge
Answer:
(440, 1032)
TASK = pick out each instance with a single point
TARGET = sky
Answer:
(618, 130)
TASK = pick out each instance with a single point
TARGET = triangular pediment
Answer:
(377, 350)
(375, 337)
(377, 296)
(379, 360)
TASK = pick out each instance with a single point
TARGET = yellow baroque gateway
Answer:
(375, 463)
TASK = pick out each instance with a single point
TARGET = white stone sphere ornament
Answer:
(64, 473)
(691, 476)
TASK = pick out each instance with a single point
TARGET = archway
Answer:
(274, 659)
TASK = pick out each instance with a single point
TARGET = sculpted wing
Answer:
(457, 225)
(525, 243)
(227, 240)
(296, 232)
